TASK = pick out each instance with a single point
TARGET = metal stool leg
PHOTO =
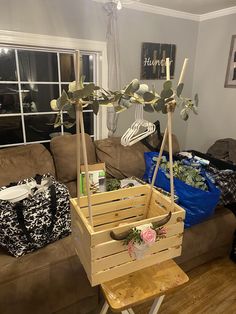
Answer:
(104, 308)
(156, 305)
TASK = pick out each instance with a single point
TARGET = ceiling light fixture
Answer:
(120, 3)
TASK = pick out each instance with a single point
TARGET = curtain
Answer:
(113, 56)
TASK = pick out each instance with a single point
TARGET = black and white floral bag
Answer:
(33, 213)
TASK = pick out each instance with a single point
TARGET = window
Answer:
(29, 79)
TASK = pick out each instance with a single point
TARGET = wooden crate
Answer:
(104, 258)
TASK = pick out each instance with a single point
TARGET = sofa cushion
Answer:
(121, 161)
(21, 162)
(44, 281)
(63, 149)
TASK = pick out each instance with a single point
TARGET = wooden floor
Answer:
(210, 290)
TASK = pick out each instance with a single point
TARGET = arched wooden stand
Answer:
(95, 216)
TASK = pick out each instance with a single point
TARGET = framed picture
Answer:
(230, 79)
(153, 60)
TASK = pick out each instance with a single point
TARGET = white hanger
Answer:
(134, 127)
(131, 136)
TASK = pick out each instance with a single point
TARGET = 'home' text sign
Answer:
(153, 58)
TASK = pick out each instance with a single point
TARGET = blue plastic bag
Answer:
(199, 204)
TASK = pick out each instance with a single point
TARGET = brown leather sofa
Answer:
(52, 280)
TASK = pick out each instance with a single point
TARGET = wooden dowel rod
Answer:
(77, 75)
(171, 157)
(155, 171)
(86, 167)
(167, 69)
(181, 78)
(159, 157)
(78, 153)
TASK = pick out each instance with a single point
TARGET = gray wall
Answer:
(137, 27)
(86, 19)
(217, 104)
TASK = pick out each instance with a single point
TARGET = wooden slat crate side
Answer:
(114, 247)
(115, 205)
(113, 225)
(120, 258)
(104, 235)
(133, 266)
(105, 197)
(78, 218)
(155, 210)
(161, 200)
(80, 241)
(118, 215)
(85, 263)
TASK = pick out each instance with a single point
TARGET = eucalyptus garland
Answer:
(84, 95)
(190, 175)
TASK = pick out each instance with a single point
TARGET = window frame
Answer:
(46, 42)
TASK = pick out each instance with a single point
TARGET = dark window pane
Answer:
(87, 67)
(39, 127)
(88, 123)
(67, 67)
(10, 130)
(9, 98)
(38, 66)
(37, 97)
(7, 65)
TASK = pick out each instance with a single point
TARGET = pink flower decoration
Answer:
(148, 235)
(131, 247)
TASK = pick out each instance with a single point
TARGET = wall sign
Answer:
(153, 58)
(230, 79)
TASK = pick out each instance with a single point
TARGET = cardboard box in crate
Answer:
(104, 258)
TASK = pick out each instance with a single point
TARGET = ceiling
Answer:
(192, 6)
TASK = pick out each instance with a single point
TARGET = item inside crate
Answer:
(97, 178)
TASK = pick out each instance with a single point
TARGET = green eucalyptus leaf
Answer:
(164, 109)
(129, 89)
(143, 88)
(196, 99)
(62, 100)
(68, 124)
(148, 108)
(95, 107)
(159, 104)
(167, 85)
(148, 96)
(179, 89)
(81, 81)
(119, 108)
(71, 112)
(78, 94)
(166, 93)
(117, 97)
(184, 114)
(104, 96)
(57, 122)
(104, 102)
(168, 100)
(127, 104)
(135, 85)
(89, 89)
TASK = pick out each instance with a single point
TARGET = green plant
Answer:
(188, 174)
